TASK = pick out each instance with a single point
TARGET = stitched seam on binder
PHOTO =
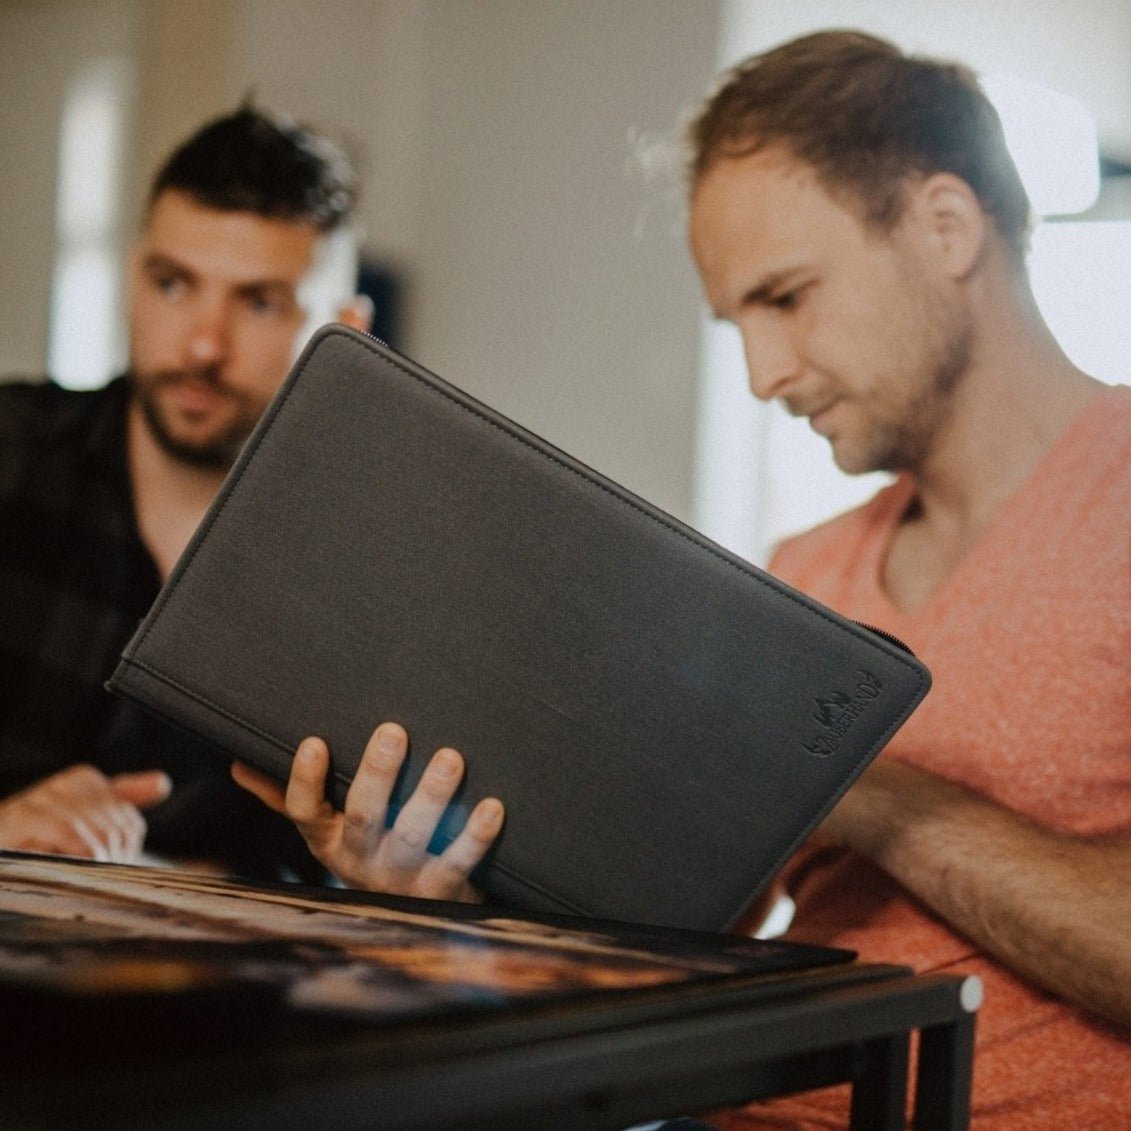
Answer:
(286, 749)
(531, 886)
(221, 710)
(207, 702)
(497, 864)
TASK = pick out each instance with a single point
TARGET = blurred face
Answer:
(218, 302)
(853, 328)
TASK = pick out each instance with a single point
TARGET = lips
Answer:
(194, 398)
(816, 411)
(819, 419)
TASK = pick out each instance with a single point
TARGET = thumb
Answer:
(142, 789)
(266, 789)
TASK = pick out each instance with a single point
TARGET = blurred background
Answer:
(522, 215)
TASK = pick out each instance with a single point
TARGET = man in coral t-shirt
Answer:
(856, 214)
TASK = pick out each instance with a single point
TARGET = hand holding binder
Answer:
(357, 844)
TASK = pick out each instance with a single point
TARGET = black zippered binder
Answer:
(664, 721)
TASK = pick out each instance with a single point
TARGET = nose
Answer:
(772, 363)
(209, 335)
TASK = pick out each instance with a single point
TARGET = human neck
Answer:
(170, 496)
(1015, 400)
(1013, 403)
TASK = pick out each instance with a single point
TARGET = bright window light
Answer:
(1052, 138)
(1080, 280)
(84, 335)
(730, 473)
(83, 304)
(90, 143)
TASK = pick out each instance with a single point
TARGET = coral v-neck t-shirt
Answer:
(1029, 645)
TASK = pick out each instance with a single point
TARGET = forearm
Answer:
(1055, 908)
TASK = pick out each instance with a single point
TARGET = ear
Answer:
(953, 222)
(357, 314)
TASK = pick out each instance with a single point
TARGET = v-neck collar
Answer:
(902, 494)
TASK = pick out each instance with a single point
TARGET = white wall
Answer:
(554, 283)
(355, 67)
(43, 46)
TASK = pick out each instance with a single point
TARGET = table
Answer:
(234, 1052)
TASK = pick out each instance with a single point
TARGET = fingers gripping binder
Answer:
(664, 721)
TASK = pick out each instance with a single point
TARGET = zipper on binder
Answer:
(883, 634)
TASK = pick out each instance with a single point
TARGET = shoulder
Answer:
(1093, 459)
(42, 412)
(1090, 488)
(1109, 410)
(1113, 411)
(21, 401)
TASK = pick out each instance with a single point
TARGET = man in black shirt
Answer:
(245, 248)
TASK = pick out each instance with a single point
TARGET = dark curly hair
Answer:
(255, 161)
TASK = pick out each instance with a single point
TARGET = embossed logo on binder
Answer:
(837, 713)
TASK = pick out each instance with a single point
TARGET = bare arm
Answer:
(355, 845)
(1056, 908)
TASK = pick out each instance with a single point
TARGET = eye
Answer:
(267, 303)
(167, 283)
(260, 303)
(788, 300)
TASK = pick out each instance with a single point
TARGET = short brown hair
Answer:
(865, 116)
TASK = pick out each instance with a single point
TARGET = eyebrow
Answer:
(159, 261)
(257, 286)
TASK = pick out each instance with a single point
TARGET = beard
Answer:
(906, 443)
(215, 452)
(912, 408)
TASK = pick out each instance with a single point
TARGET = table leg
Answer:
(942, 1092)
(879, 1092)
